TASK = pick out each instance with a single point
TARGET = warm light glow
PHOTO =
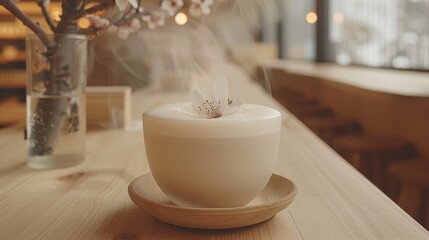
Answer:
(311, 17)
(56, 14)
(181, 18)
(10, 52)
(83, 23)
(338, 17)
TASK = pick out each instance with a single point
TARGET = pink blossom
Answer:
(112, 28)
(134, 25)
(171, 6)
(217, 103)
(123, 32)
(154, 19)
(199, 7)
(98, 22)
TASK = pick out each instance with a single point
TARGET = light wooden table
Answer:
(90, 201)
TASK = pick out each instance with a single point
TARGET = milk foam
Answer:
(180, 120)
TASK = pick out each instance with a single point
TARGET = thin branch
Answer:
(26, 20)
(69, 17)
(48, 18)
(90, 31)
(84, 2)
(97, 8)
(126, 18)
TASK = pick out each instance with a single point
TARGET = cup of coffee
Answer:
(220, 162)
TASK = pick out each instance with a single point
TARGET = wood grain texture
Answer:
(90, 201)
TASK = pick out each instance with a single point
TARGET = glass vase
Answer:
(56, 101)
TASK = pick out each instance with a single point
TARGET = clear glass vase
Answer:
(56, 102)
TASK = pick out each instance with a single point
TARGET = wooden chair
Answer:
(286, 96)
(302, 106)
(328, 128)
(306, 111)
(371, 154)
(299, 105)
(301, 102)
(410, 188)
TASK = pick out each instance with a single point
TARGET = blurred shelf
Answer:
(12, 78)
(11, 111)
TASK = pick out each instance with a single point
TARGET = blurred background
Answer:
(371, 33)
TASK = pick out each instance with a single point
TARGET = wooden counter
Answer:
(384, 102)
(398, 82)
(90, 201)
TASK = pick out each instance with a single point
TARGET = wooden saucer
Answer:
(277, 195)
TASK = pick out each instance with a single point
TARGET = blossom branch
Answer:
(84, 3)
(93, 31)
(26, 20)
(69, 17)
(126, 18)
(95, 9)
(45, 13)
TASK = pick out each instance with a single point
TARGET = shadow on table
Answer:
(134, 223)
(17, 169)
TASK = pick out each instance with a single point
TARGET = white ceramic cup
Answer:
(221, 162)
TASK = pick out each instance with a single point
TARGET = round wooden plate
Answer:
(277, 195)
